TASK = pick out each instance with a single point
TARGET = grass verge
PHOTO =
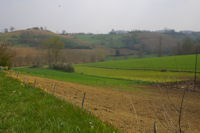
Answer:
(24, 108)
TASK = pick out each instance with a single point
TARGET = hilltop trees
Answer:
(12, 29)
(6, 30)
(130, 40)
(63, 32)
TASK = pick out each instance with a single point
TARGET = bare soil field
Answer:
(130, 111)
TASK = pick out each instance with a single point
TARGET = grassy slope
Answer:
(35, 37)
(27, 109)
(105, 82)
(102, 39)
(174, 63)
(151, 76)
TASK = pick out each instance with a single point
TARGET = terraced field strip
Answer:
(116, 107)
(170, 63)
(140, 75)
(96, 81)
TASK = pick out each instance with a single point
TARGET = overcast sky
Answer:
(100, 16)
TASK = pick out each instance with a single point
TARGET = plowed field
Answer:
(129, 111)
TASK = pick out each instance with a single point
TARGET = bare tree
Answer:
(53, 47)
(160, 47)
(195, 69)
(187, 46)
(141, 51)
(6, 55)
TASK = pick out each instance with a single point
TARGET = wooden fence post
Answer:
(34, 83)
(83, 100)
(54, 87)
(17, 75)
(155, 127)
(195, 70)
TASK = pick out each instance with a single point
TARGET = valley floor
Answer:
(129, 111)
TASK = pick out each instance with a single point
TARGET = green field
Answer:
(125, 57)
(92, 80)
(123, 74)
(142, 75)
(170, 63)
(25, 109)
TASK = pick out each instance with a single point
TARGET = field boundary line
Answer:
(138, 69)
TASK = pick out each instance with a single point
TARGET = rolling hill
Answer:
(82, 47)
(143, 42)
(33, 38)
(146, 41)
(135, 42)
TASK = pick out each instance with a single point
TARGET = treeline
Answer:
(187, 46)
(6, 55)
(146, 43)
(29, 60)
(114, 41)
(38, 57)
(51, 52)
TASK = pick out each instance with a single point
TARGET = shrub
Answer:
(63, 67)
(36, 66)
(163, 70)
(6, 55)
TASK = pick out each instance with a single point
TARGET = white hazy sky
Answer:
(100, 16)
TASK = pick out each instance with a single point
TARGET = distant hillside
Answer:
(33, 38)
(143, 42)
(181, 35)
(124, 43)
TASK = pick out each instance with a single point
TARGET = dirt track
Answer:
(129, 111)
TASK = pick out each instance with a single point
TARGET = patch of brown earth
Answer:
(130, 111)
